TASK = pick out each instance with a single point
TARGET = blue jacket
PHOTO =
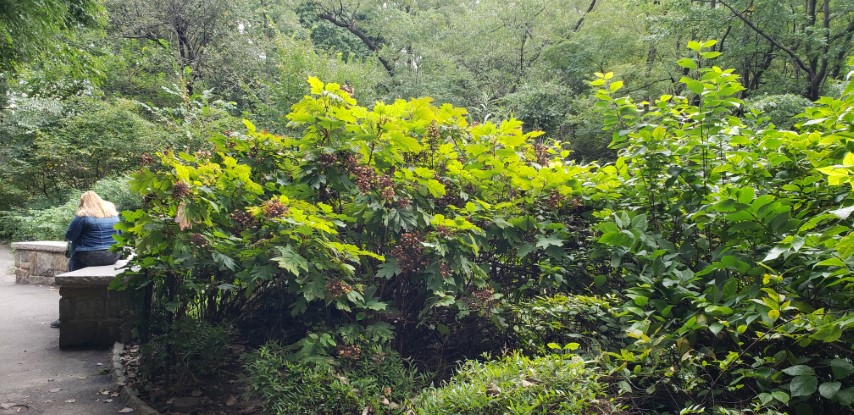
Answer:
(88, 233)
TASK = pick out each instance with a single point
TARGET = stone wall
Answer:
(92, 316)
(39, 262)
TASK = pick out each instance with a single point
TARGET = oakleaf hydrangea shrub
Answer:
(396, 225)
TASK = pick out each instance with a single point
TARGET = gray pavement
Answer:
(35, 376)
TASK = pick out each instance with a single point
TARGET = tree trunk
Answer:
(4, 92)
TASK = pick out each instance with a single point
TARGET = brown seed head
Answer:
(180, 190)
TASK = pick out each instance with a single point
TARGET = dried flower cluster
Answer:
(198, 240)
(408, 253)
(542, 153)
(242, 220)
(481, 299)
(554, 200)
(349, 351)
(274, 209)
(445, 270)
(146, 159)
(180, 190)
(337, 288)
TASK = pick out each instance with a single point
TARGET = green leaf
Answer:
(615, 239)
(774, 253)
(832, 262)
(845, 397)
(845, 246)
(710, 55)
(695, 86)
(739, 216)
(799, 370)
(781, 396)
(716, 327)
(803, 385)
(547, 241)
(829, 389)
(841, 368)
(224, 261)
(316, 85)
(639, 222)
(524, 250)
(687, 63)
(828, 333)
(388, 269)
(843, 213)
(435, 188)
(615, 86)
(718, 310)
(290, 261)
(695, 46)
(641, 300)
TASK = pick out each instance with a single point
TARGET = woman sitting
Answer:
(91, 233)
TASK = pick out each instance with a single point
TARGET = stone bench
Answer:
(39, 262)
(93, 316)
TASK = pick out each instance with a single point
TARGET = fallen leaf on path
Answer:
(54, 390)
(126, 410)
(70, 400)
(231, 401)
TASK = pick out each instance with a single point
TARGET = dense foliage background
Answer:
(594, 213)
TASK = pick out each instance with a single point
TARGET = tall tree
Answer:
(195, 31)
(818, 37)
(776, 46)
(30, 29)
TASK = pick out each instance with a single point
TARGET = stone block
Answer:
(39, 261)
(89, 309)
(66, 309)
(21, 276)
(95, 316)
(36, 280)
(60, 264)
(22, 256)
(44, 265)
(117, 305)
(78, 334)
(109, 331)
(77, 292)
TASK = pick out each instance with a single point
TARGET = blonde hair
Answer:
(92, 205)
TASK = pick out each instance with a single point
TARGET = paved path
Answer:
(35, 376)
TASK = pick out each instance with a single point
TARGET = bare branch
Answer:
(371, 44)
(801, 64)
(581, 19)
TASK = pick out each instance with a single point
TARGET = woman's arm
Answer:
(74, 229)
